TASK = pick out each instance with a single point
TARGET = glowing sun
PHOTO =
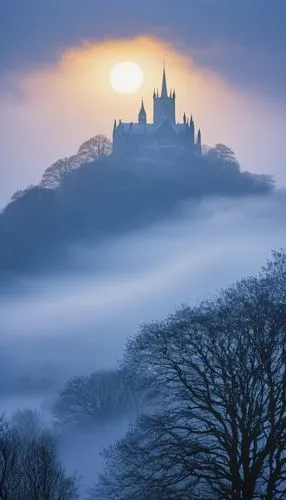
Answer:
(126, 77)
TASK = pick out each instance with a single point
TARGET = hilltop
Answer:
(94, 195)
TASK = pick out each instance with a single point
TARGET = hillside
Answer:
(92, 196)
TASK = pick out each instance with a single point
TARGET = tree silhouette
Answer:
(99, 146)
(90, 399)
(223, 156)
(42, 475)
(29, 465)
(218, 375)
(55, 174)
(96, 148)
(9, 460)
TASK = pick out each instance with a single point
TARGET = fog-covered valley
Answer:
(54, 327)
(78, 321)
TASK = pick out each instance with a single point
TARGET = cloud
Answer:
(50, 110)
(34, 33)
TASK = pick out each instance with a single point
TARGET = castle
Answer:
(164, 133)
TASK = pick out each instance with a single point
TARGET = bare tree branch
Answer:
(216, 376)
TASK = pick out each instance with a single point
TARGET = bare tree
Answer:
(149, 463)
(95, 148)
(99, 147)
(27, 423)
(222, 155)
(218, 373)
(54, 175)
(29, 467)
(9, 453)
(94, 398)
(42, 475)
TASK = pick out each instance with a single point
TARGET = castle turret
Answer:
(199, 142)
(142, 116)
(192, 131)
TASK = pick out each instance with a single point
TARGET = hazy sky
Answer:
(226, 59)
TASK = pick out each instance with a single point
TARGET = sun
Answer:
(126, 77)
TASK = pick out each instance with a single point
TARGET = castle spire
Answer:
(142, 116)
(164, 91)
(199, 142)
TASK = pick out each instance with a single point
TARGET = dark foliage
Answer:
(107, 197)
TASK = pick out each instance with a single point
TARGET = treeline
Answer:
(30, 467)
(93, 195)
(206, 391)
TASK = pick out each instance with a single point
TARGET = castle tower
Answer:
(164, 106)
(131, 139)
(142, 116)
